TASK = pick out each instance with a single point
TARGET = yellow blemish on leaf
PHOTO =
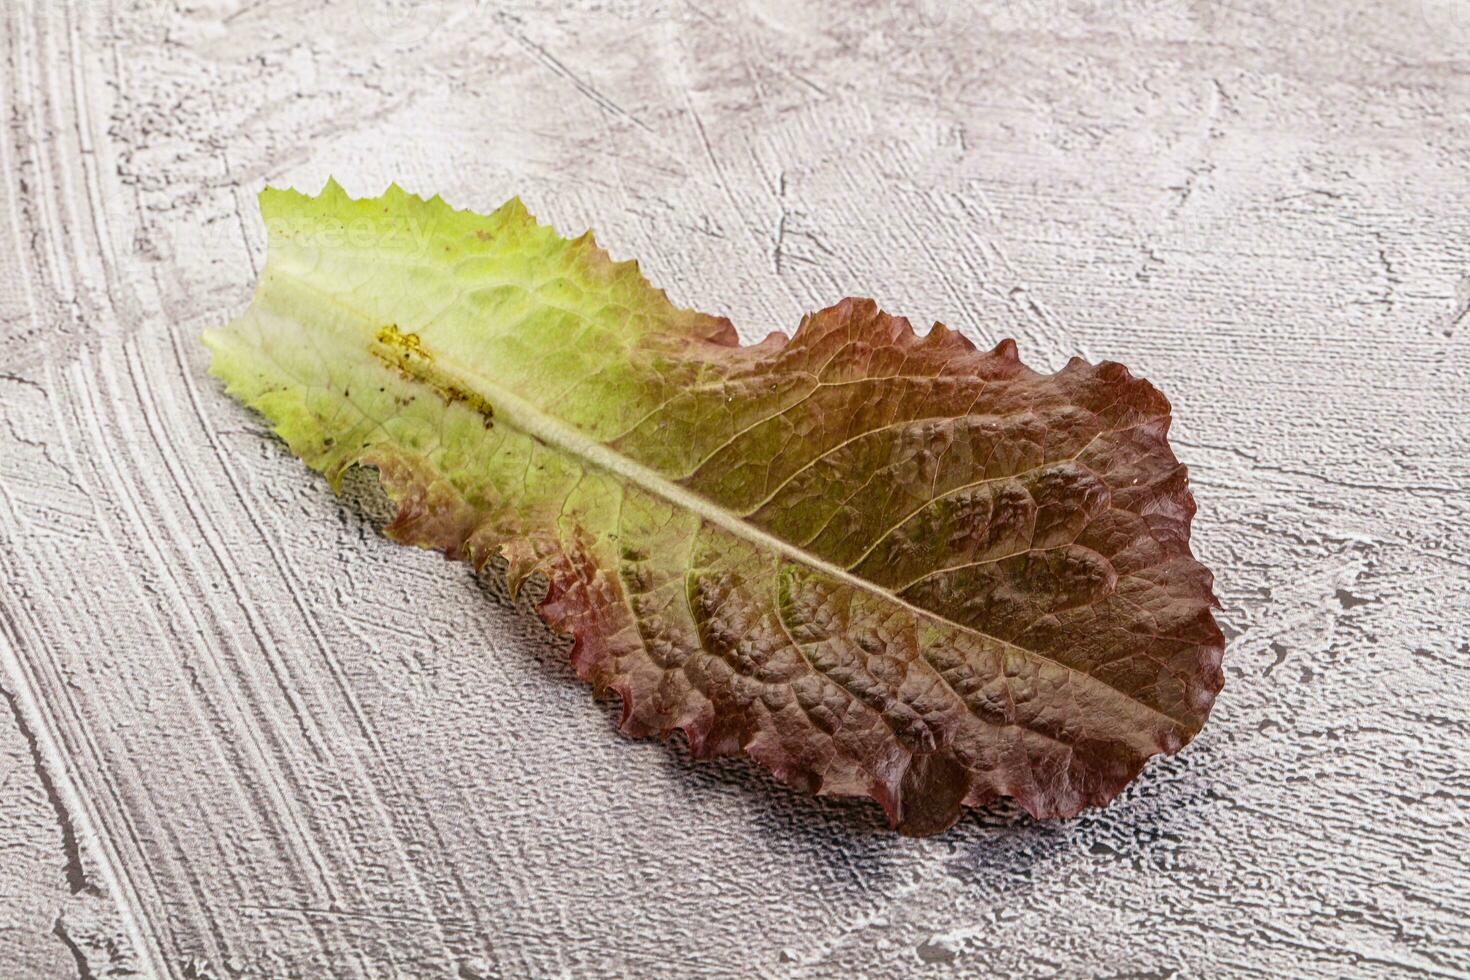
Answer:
(406, 353)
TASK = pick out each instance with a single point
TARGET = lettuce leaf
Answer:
(877, 563)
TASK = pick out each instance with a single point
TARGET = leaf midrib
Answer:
(518, 413)
(522, 415)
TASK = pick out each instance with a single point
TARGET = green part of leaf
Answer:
(880, 564)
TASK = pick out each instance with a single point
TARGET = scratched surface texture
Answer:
(244, 735)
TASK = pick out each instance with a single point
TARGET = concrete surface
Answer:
(244, 735)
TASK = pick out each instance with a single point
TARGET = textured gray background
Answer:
(243, 735)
